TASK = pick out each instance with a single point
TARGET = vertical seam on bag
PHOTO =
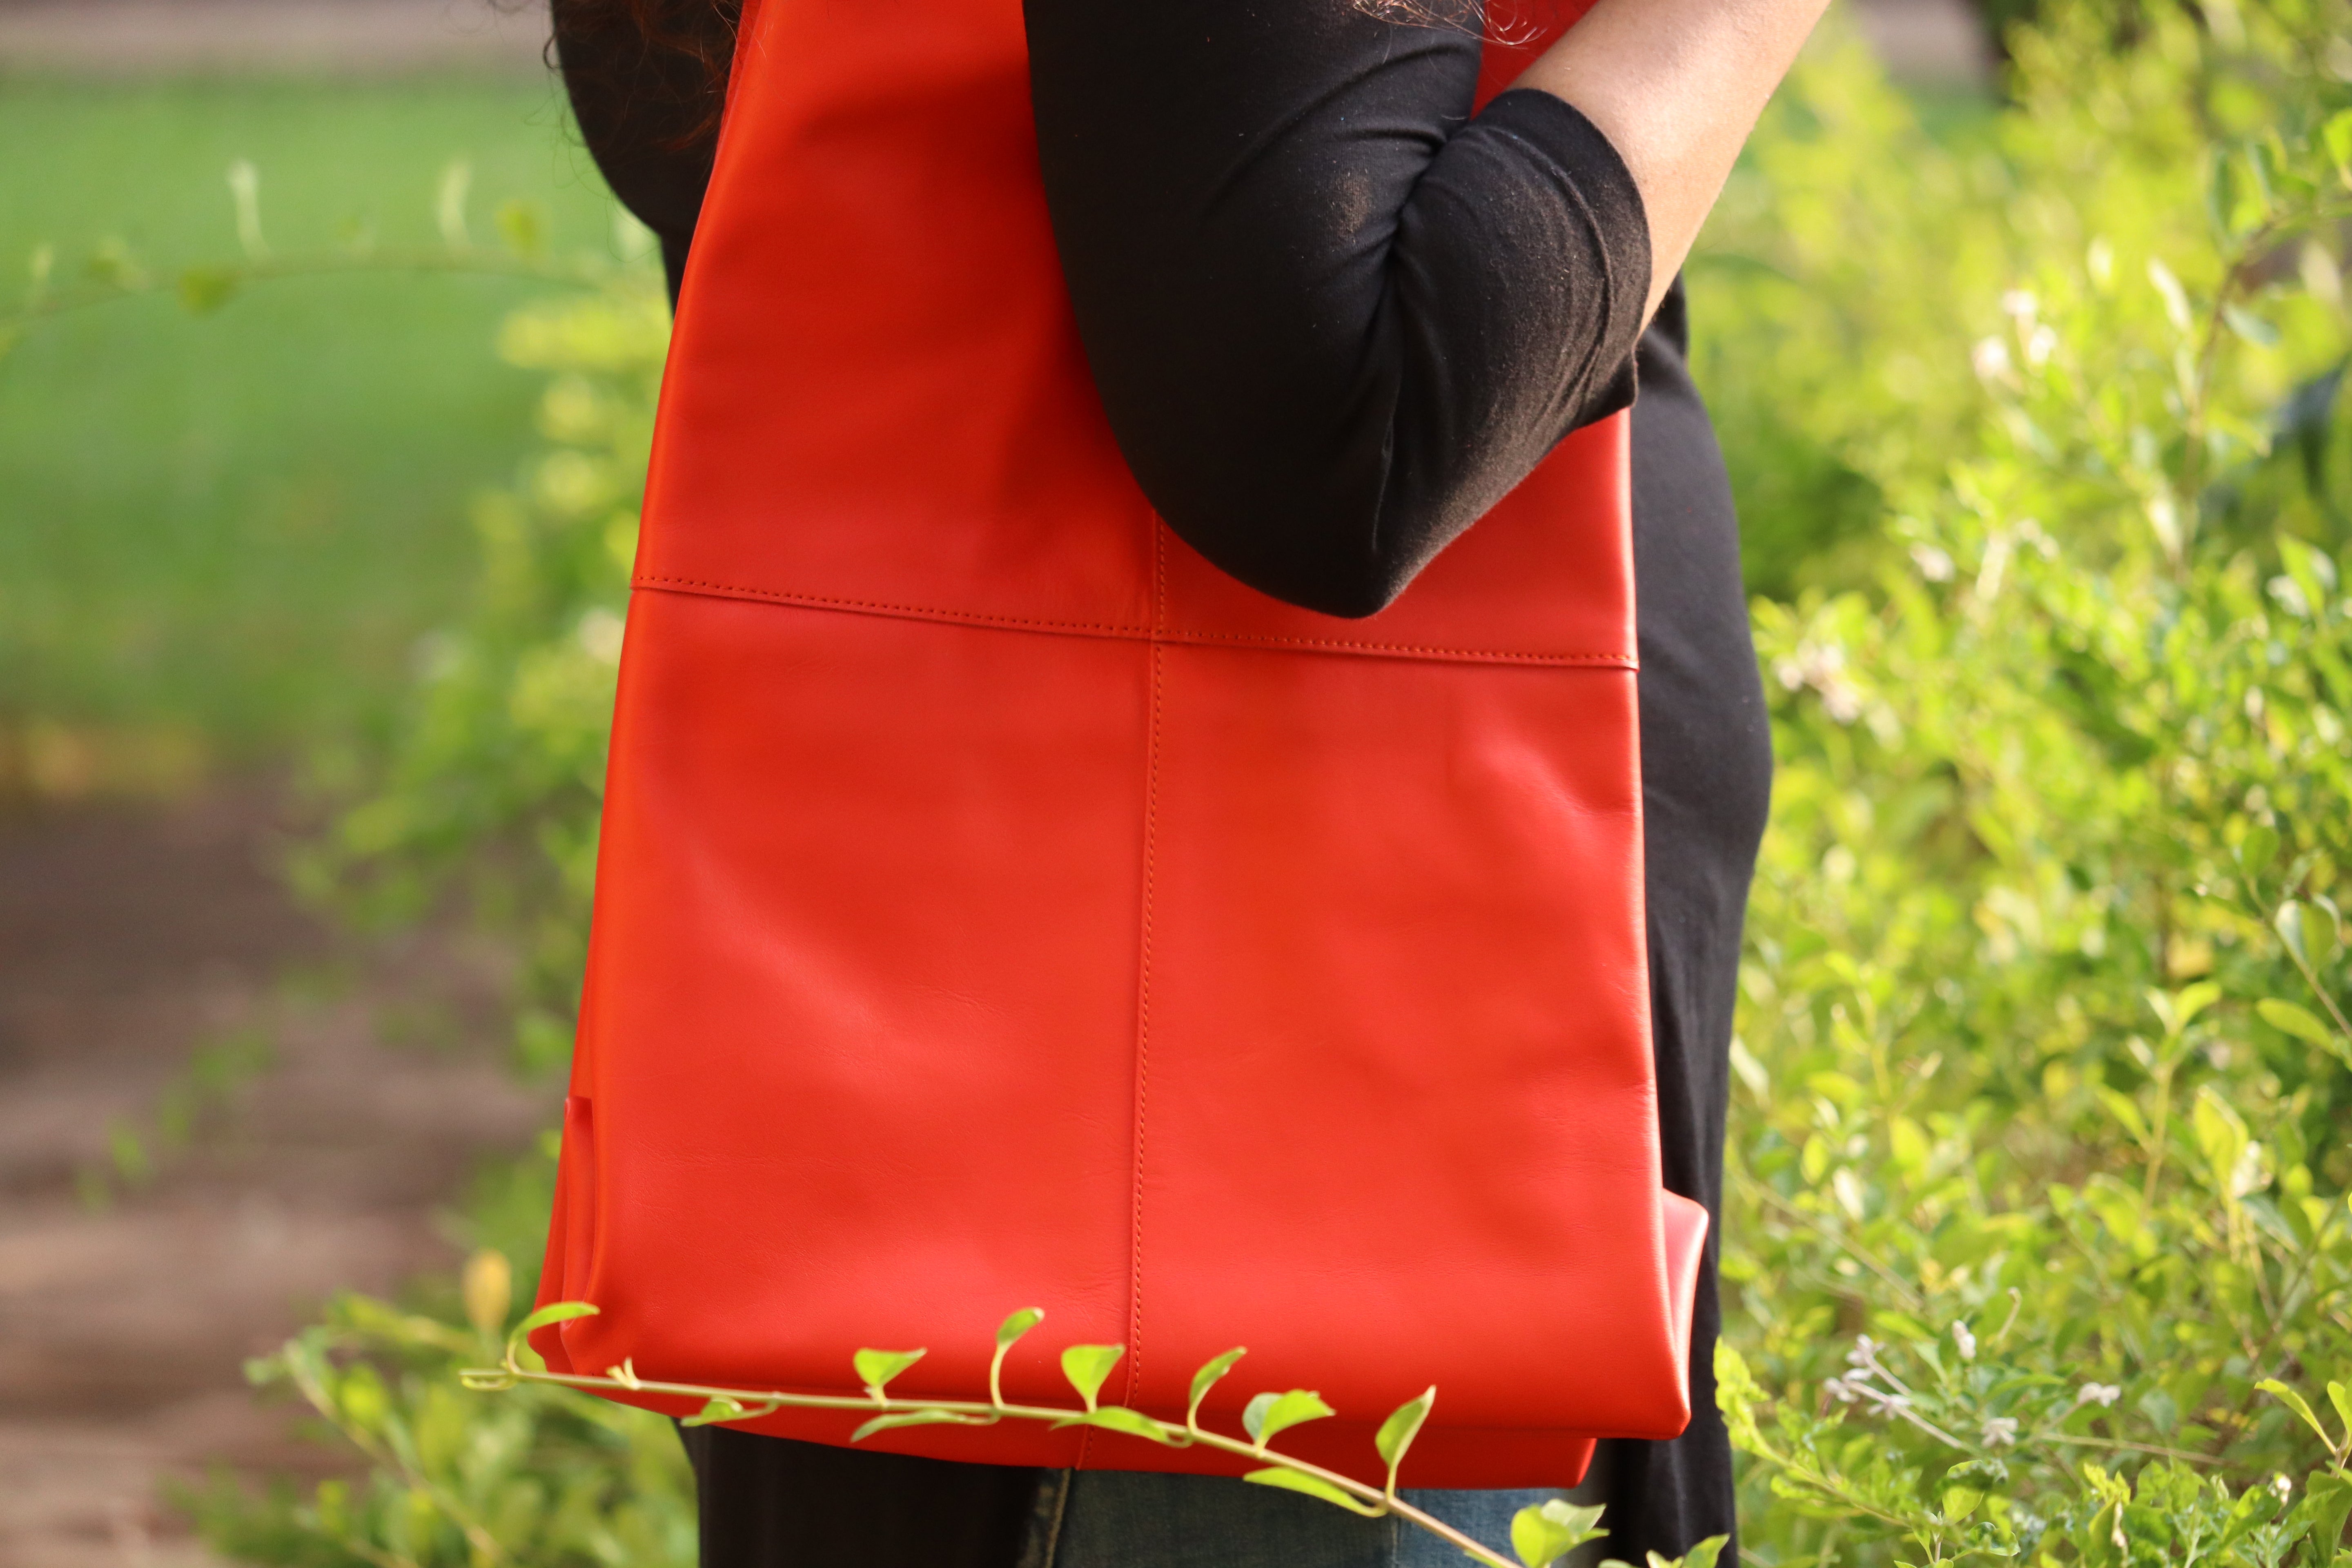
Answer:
(1143, 971)
(1142, 986)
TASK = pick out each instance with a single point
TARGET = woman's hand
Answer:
(1676, 86)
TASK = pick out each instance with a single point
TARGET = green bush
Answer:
(2038, 1243)
(491, 796)
(226, 523)
(494, 788)
(542, 1476)
(2039, 1171)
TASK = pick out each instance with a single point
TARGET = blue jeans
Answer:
(1124, 1518)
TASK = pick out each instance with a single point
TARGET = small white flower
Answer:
(1991, 358)
(2102, 1395)
(1934, 564)
(2285, 1488)
(2019, 304)
(1864, 1351)
(2252, 1173)
(1839, 1389)
(1965, 1340)
(1822, 667)
(2040, 344)
(2001, 1431)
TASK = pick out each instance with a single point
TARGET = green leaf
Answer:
(2328, 1502)
(245, 193)
(1086, 1365)
(1703, 1554)
(1007, 1333)
(877, 1368)
(1403, 1425)
(553, 1313)
(2288, 924)
(523, 226)
(2300, 1406)
(2259, 851)
(2124, 1109)
(1120, 1418)
(1542, 1534)
(2336, 135)
(2341, 1397)
(1753, 1073)
(917, 1418)
(129, 1151)
(1313, 1485)
(1737, 1394)
(2220, 188)
(361, 1398)
(113, 264)
(203, 290)
(1206, 1378)
(720, 1408)
(2221, 1135)
(1018, 1324)
(2288, 1018)
(449, 204)
(2251, 327)
(1271, 1412)
(2178, 1009)
(2176, 297)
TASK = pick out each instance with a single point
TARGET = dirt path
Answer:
(129, 940)
(363, 38)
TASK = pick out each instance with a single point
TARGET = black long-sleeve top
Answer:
(1333, 317)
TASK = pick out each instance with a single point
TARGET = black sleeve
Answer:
(649, 110)
(1333, 318)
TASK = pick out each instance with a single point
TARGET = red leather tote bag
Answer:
(1000, 907)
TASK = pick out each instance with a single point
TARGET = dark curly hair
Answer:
(666, 60)
(661, 63)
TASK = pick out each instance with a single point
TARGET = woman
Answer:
(1333, 316)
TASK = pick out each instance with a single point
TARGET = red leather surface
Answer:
(1000, 907)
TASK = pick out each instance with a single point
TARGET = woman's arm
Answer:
(1333, 317)
(1676, 86)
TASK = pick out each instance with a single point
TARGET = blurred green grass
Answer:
(236, 526)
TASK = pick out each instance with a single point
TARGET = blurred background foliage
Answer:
(2038, 1243)
(224, 534)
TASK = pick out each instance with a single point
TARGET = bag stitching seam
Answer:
(1143, 973)
(1111, 628)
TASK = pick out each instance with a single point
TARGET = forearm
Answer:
(1333, 315)
(1676, 86)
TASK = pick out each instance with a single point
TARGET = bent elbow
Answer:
(1317, 569)
(1352, 596)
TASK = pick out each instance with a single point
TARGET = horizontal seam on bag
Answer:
(1135, 633)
